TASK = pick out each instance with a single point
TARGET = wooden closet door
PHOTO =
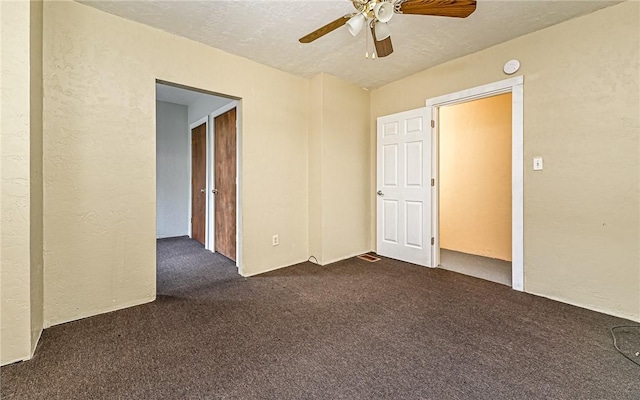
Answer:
(198, 182)
(225, 184)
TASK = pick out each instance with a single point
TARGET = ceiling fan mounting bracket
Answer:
(366, 7)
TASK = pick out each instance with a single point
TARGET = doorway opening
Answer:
(407, 201)
(474, 164)
(514, 88)
(198, 165)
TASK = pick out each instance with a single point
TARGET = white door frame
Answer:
(515, 87)
(210, 214)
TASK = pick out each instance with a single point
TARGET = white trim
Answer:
(210, 224)
(98, 311)
(190, 166)
(239, 188)
(203, 120)
(592, 307)
(515, 87)
(435, 198)
(477, 92)
(276, 268)
(199, 122)
(517, 183)
(357, 253)
(227, 107)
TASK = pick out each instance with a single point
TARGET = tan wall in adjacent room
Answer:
(475, 177)
(581, 102)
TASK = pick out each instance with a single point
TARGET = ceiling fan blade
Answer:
(330, 27)
(442, 8)
(383, 47)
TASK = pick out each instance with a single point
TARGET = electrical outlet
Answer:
(275, 240)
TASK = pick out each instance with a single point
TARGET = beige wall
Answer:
(338, 169)
(21, 199)
(475, 177)
(581, 102)
(99, 156)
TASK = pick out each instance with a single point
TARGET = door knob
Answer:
(203, 190)
(214, 191)
(380, 193)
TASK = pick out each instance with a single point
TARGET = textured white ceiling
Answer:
(268, 32)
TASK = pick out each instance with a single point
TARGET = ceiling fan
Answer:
(376, 14)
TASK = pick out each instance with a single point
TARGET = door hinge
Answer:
(433, 182)
(433, 123)
(433, 241)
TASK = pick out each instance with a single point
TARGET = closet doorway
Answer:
(474, 147)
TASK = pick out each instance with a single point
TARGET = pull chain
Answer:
(373, 43)
(366, 45)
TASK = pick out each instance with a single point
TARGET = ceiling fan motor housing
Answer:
(381, 10)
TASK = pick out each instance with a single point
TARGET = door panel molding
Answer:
(403, 204)
(192, 126)
(199, 183)
(225, 181)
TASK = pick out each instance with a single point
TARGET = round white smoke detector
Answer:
(511, 67)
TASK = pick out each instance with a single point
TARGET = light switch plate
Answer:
(537, 163)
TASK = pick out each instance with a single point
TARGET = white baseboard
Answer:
(634, 318)
(271, 269)
(132, 303)
(346, 257)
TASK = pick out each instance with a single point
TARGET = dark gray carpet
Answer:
(351, 330)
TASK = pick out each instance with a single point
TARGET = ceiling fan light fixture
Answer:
(383, 11)
(382, 30)
(356, 23)
(377, 13)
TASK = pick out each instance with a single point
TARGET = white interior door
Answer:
(404, 187)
